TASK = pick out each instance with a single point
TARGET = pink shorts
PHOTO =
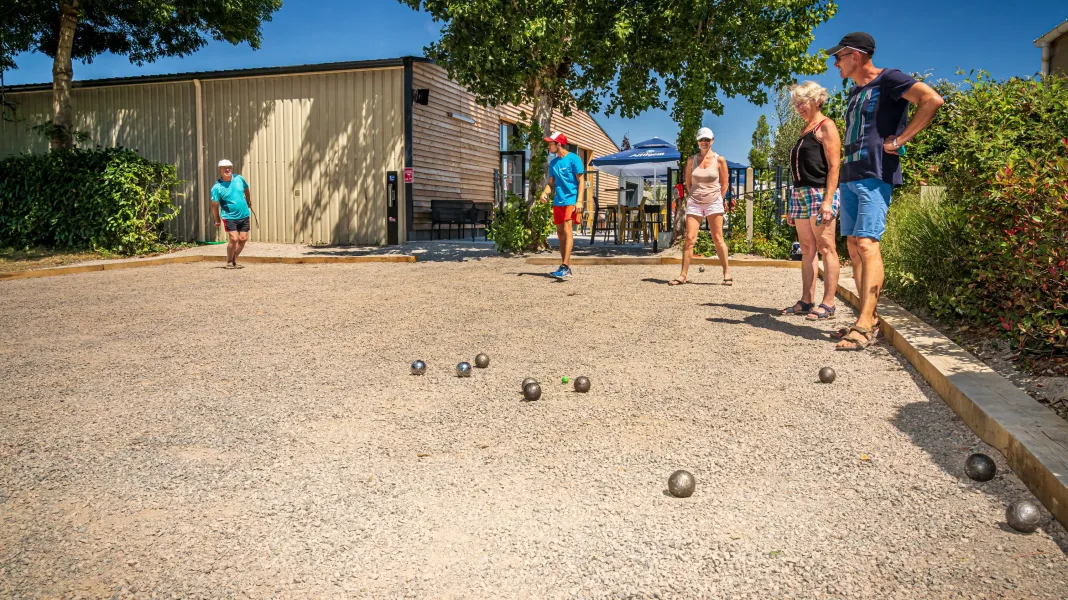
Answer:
(704, 210)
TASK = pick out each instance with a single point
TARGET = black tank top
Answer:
(808, 163)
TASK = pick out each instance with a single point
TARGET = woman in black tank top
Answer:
(815, 161)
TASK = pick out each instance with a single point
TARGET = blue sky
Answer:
(912, 35)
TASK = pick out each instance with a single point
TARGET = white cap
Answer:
(705, 133)
(225, 163)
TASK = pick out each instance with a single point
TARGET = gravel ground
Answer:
(189, 431)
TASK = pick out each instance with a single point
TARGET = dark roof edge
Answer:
(230, 74)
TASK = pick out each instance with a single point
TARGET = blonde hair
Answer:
(809, 91)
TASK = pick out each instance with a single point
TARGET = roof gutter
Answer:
(229, 74)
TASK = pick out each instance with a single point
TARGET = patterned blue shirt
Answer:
(875, 112)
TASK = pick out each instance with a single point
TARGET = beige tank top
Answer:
(706, 186)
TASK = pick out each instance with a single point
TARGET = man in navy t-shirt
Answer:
(876, 130)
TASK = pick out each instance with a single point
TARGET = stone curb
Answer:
(155, 262)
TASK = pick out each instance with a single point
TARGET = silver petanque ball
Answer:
(582, 384)
(1023, 516)
(482, 361)
(827, 375)
(463, 369)
(532, 391)
(681, 484)
(980, 467)
(418, 367)
(701, 269)
(526, 381)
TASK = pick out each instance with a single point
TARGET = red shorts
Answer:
(563, 214)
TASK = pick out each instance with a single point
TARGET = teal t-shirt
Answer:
(230, 195)
(565, 171)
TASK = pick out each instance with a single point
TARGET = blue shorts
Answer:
(864, 207)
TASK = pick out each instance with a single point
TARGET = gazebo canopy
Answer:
(650, 158)
(646, 159)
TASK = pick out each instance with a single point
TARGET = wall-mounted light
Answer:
(462, 117)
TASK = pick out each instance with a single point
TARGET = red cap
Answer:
(557, 137)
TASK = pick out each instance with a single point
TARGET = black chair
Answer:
(449, 212)
(481, 213)
(609, 219)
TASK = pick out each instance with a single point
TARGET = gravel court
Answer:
(145, 452)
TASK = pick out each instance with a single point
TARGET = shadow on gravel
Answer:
(529, 274)
(667, 281)
(915, 420)
(769, 319)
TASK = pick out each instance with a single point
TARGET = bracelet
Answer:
(896, 145)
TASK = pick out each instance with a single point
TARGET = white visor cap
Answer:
(705, 133)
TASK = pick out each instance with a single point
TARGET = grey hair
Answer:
(809, 91)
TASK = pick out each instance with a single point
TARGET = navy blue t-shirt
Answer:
(874, 112)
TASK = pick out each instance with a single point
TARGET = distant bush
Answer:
(509, 230)
(106, 199)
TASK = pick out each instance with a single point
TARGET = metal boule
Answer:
(526, 381)
(463, 369)
(681, 484)
(532, 391)
(582, 384)
(980, 467)
(482, 361)
(1023, 516)
(418, 367)
(827, 375)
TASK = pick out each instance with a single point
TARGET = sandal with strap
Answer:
(728, 281)
(678, 281)
(821, 313)
(798, 308)
(841, 332)
(863, 338)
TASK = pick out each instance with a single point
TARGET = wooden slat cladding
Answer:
(454, 159)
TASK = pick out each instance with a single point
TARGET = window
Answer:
(513, 164)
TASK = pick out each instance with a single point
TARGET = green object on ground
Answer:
(563, 379)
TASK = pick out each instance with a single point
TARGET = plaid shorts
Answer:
(806, 201)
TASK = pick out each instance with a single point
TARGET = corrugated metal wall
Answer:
(315, 148)
(157, 120)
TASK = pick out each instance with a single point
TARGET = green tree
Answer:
(760, 153)
(707, 49)
(623, 56)
(143, 30)
(788, 128)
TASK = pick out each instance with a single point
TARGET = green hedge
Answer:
(105, 199)
(994, 250)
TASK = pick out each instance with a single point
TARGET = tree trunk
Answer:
(541, 125)
(62, 74)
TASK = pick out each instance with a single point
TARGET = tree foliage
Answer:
(624, 56)
(787, 128)
(143, 30)
(708, 49)
(760, 152)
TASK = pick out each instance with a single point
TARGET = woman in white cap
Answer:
(706, 174)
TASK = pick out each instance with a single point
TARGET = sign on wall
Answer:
(409, 174)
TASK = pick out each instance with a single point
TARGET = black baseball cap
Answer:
(858, 40)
